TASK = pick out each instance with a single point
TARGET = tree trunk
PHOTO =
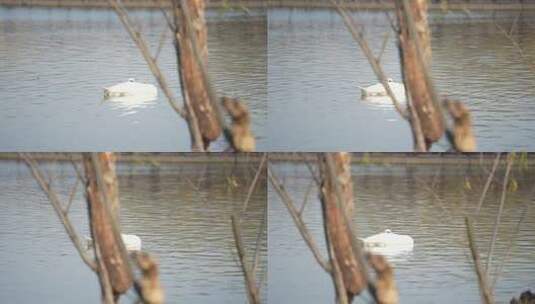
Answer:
(107, 161)
(337, 185)
(193, 84)
(101, 188)
(415, 65)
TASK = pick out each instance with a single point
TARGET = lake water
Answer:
(429, 203)
(189, 231)
(55, 62)
(315, 68)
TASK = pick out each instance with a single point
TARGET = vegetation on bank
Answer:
(462, 5)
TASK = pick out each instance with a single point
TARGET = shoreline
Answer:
(142, 157)
(258, 4)
(407, 158)
(381, 158)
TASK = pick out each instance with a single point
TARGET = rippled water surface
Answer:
(55, 62)
(429, 203)
(187, 229)
(315, 68)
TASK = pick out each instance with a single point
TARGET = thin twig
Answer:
(71, 197)
(518, 48)
(487, 184)
(313, 173)
(79, 174)
(512, 239)
(165, 16)
(163, 37)
(305, 199)
(383, 47)
(259, 236)
(252, 187)
(499, 215)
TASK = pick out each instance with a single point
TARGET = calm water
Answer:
(315, 67)
(55, 62)
(398, 197)
(188, 230)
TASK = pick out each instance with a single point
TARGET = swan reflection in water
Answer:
(130, 102)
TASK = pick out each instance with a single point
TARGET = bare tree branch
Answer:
(55, 202)
(358, 35)
(500, 210)
(252, 289)
(305, 199)
(487, 184)
(143, 47)
(512, 239)
(260, 234)
(486, 293)
(71, 197)
(252, 187)
(301, 226)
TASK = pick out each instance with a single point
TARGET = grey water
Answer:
(54, 64)
(315, 69)
(180, 212)
(427, 202)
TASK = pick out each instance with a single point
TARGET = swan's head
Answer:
(388, 231)
(131, 80)
(390, 80)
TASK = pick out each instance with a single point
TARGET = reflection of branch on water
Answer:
(430, 189)
(509, 36)
(512, 240)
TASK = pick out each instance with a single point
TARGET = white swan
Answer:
(378, 90)
(131, 241)
(389, 239)
(131, 88)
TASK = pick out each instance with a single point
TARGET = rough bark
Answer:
(338, 206)
(416, 63)
(194, 87)
(106, 237)
(107, 161)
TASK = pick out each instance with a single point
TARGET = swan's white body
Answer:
(378, 90)
(131, 242)
(131, 88)
(390, 240)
